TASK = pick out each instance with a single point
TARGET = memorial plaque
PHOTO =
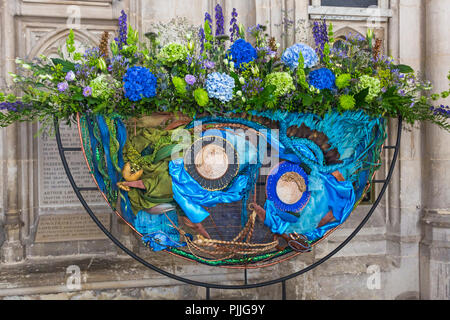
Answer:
(70, 227)
(54, 186)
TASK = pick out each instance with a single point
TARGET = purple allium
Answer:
(70, 76)
(63, 86)
(87, 91)
(123, 31)
(219, 21)
(190, 79)
(234, 28)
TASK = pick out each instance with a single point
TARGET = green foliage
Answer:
(379, 87)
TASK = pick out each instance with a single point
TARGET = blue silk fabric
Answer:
(192, 197)
(327, 193)
(159, 233)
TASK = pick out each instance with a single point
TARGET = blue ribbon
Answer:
(94, 143)
(104, 132)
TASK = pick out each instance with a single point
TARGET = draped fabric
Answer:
(327, 193)
(192, 197)
(156, 178)
(354, 134)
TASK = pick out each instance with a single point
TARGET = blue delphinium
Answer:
(234, 28)
(322, 79)
(320, 33)
(220, 86)
(201, 36)
(291, 55)
(123, 31)
(139, 82)
(219, 21)
(242, 51)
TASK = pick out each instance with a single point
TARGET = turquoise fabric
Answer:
(191, 196)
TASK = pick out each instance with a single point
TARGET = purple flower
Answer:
(11, 106)
(87, 91)
(208, 18)
(234, 29)
(190, 79)
(209, 64)
(219, 20)
(442, 110)
(123, 31)
(320, 32)
(70, 76)
(63, 86)
(201, 35)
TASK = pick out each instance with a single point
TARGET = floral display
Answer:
(320, 108)
(215, 70)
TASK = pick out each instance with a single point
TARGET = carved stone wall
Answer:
(402, 252)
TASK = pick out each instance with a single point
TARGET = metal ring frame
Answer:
(209, 286)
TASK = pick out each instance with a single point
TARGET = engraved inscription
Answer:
(55, 189)
(70, 227)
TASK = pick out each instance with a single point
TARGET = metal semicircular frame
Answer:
(206, 285)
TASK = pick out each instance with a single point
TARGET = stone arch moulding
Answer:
(344, 31)
(48, 44)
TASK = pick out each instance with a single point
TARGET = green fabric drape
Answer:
(156, 178)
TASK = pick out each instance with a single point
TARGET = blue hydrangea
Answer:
(220, 86)
(322, 79)
(290, 56)
(139, 82)
(242, 52)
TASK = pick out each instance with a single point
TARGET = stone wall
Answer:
(401, 253)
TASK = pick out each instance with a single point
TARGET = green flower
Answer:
(343, 80)
(373, 84)
(102, 87)
(201, 97)
(172, 53)
(180, 85)
(282, 81)
(347, 102)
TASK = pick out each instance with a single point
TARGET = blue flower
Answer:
(123, 31)
(290, 56)
(139, 82)
(242, 52)
(220, 86)
(322, 79)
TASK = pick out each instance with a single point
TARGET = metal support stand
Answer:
(209, 286)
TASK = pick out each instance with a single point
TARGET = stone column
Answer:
(12, 249)
(404, 197)
(435, 244)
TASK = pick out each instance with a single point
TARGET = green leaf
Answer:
(360, 97)
(307, 100)
(403, 68)
(67, 65)
(78, 97)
